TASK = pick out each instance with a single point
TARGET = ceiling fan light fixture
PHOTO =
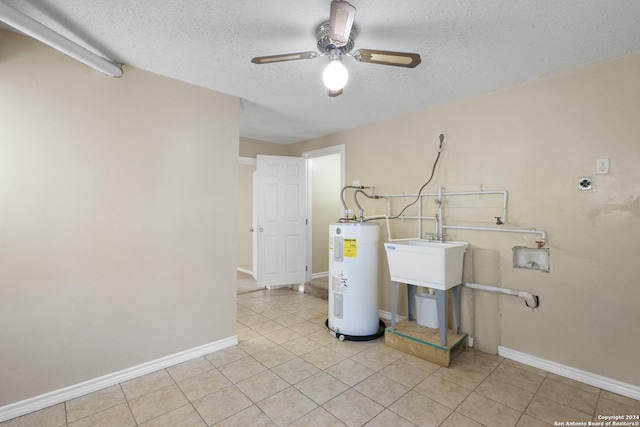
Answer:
(335, 38)
(335, 75)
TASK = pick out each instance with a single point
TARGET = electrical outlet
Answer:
(602, 166)
(356, 183)
(442, 136)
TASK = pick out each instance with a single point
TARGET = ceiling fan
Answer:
(336, 39)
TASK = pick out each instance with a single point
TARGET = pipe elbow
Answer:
(531, 301)
(543, 238)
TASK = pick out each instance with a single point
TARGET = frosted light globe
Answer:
(335, 75)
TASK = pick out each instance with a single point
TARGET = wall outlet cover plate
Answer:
(602, 166)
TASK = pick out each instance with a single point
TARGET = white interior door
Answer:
(281, 220)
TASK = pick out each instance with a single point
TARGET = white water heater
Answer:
(353, 280)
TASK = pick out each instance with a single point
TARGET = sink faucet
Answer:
(436, 237)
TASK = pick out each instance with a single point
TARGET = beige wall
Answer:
(535, 140)
(325, 188)
(252, 147)
(115, 248)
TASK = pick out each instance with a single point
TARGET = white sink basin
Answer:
(421, 262)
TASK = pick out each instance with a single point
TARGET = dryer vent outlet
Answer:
(584, 184)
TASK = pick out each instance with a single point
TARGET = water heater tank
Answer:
(353, 280)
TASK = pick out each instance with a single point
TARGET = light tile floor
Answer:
(287, 370)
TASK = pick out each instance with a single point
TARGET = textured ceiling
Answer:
(468, 48)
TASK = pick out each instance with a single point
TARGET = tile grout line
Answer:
(533, 398)
(455, 410)
(388, 407)
(244, 394)
(595, 409)
(189, 402)
(128, 405)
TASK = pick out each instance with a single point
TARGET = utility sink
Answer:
(435, 265)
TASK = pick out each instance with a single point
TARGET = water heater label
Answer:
(339, 281)
(350, 248)
(339, 284)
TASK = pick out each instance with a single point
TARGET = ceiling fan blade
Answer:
(283, 57)
(387, 57)
(341, 21)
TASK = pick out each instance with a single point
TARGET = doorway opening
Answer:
(325, 179)
(325, 169)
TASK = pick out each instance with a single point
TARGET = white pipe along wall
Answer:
(532, 301)
(490, 323)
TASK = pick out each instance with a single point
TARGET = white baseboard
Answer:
(387, 316)
(272, 287)
(592, 379)
(319, 275)
(36, 403)
(247, 161)
(244, 270)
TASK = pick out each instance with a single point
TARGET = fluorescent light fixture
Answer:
(335, 75)
(30, 27)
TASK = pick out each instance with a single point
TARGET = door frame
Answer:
(336, 149)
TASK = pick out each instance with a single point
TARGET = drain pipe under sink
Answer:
(532, 301)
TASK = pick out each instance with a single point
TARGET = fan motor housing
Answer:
(325, 44)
